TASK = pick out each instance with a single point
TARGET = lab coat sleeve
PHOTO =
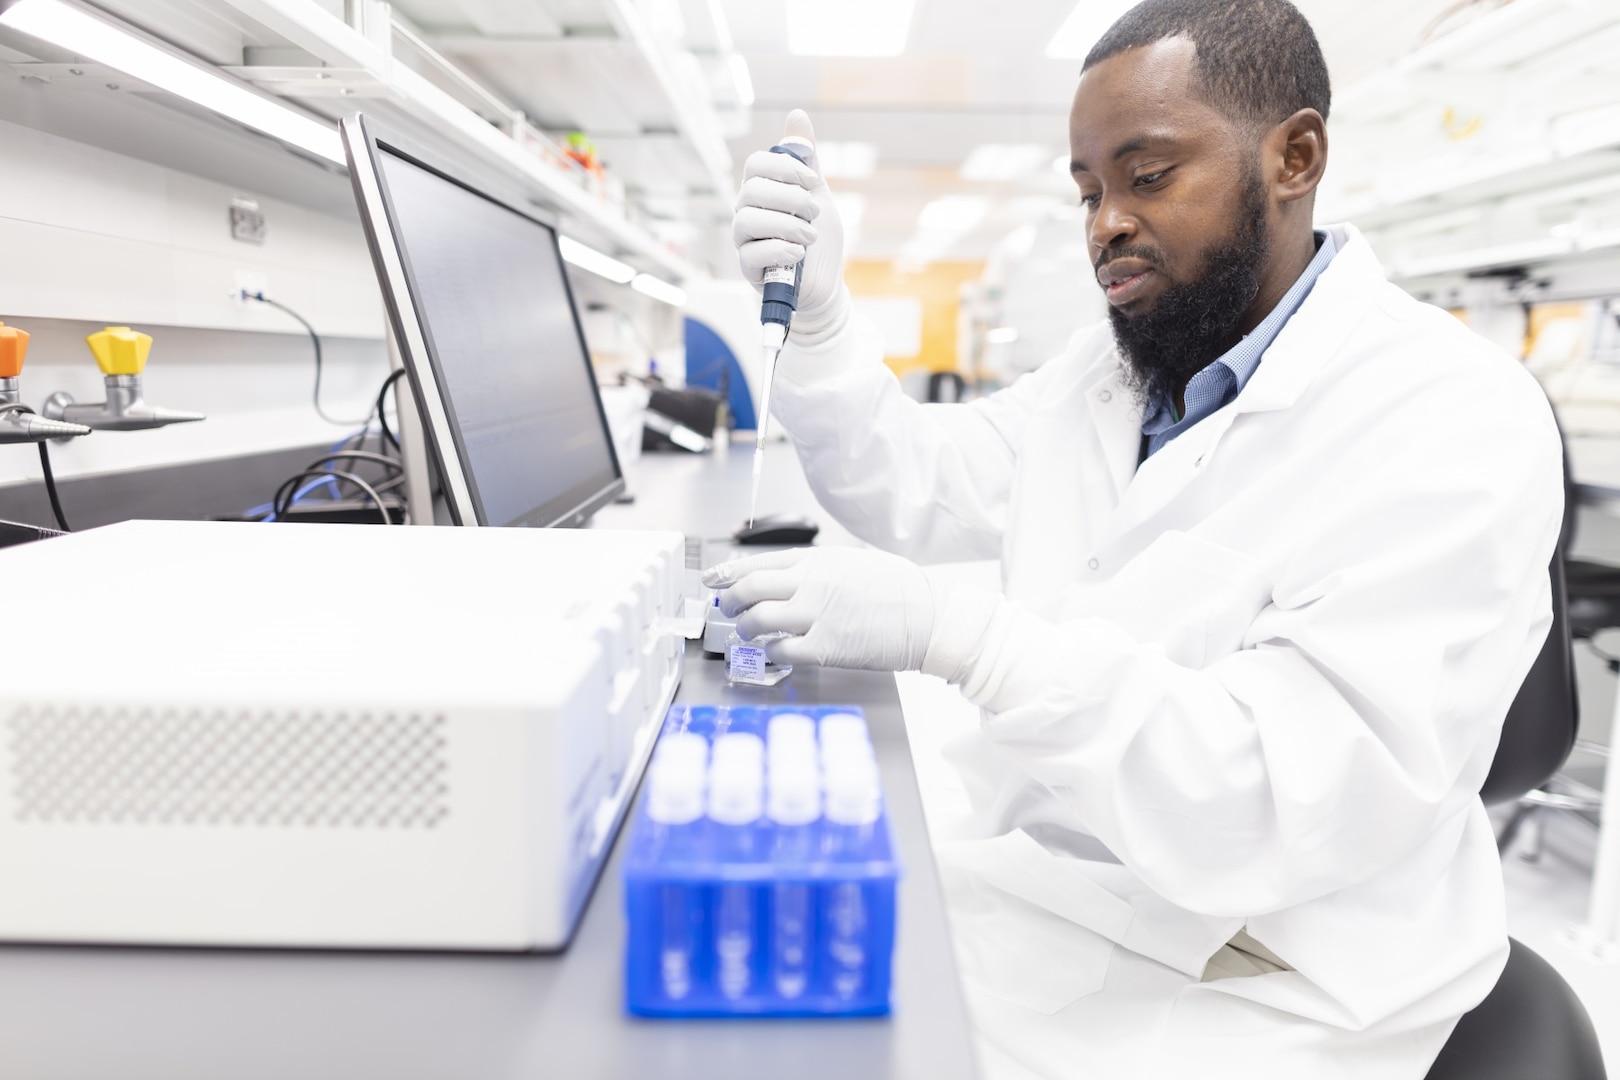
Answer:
(1361, 710)
(930, 482)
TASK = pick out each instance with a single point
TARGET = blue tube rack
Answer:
(820, 916)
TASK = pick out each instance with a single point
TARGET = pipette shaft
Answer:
(781, 298)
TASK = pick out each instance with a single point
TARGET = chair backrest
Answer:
(1539, 730)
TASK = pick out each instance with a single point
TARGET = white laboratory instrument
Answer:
(327, 735)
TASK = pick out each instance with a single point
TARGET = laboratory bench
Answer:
(108, 1013)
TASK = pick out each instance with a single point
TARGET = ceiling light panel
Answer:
(659, 289)
(846, 160)
(1005, 161)
(83, 34)
(588, 258)
(952, 213)
(849, 27)
(1089, 20)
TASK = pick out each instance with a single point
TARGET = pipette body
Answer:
(775, 315)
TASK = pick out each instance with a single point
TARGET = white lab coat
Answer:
(1254, 684)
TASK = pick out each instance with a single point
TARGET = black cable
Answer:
(358, 455)
(50, 484)
(316, 339)
(44, 465)
(290, 485)
(382, 396)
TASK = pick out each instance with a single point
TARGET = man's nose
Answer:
(1111, 225)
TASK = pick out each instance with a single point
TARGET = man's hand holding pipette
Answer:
(786, 213)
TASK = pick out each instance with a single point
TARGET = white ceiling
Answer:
(1523, 103)
(976, 73)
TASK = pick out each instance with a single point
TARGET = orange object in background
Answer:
(120, 351)
(13, 348)
(937, 287)
(583, 152)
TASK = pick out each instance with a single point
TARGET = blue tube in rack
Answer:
(779, 900)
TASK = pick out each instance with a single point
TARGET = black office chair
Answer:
(1531, 1026)
(1593, 592)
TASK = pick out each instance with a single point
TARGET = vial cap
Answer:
(792, 728)
(675, 790)
(686, 746)
(737, 780)
(795, 795)
(844, 728)
(739, 746)
(854, 796)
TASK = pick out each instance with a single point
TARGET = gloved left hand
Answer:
(846, 607)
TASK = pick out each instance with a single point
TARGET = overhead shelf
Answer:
(360, 68)
(301, 52)
(1467, 154)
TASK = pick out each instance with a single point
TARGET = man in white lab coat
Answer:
(1273, 545)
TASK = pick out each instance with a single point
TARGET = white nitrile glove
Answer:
(779, 201)
(846, 607)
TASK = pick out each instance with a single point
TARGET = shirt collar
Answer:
(1242, 359)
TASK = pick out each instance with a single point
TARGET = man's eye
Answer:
(1090, 200)
(1149, 179)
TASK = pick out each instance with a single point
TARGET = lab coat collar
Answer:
(1116, 414)
(1307, 343)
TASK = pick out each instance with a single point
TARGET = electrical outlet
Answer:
(247, 221)
(250, 281)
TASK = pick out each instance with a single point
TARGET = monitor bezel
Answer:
(364, 141)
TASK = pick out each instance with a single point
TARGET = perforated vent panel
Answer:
(219, 768)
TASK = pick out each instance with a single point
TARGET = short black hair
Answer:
(1258, 60)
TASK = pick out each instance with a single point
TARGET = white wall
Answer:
(91, 237)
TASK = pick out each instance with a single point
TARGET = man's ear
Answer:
(1296, 155)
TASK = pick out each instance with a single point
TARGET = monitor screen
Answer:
(497, 317)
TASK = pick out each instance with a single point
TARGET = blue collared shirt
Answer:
(1223, 380)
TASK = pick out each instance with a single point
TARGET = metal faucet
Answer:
(18, 424)
(121, 354)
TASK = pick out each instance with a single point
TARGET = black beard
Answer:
(1195, 322)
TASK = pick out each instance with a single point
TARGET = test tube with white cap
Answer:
(736, 803)
(794, 806)
(854, 801)
(675, 804)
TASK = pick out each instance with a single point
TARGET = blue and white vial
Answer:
(793, 806)
(675, 804)
(854, 800)
(736, 805)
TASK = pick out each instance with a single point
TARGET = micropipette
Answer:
(775, 313)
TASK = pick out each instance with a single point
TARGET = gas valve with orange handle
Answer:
(121, 354)
(18, 422)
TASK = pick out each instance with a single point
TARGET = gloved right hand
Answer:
(785, 213)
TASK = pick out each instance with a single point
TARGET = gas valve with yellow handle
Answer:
(121, 354)
(18, 422)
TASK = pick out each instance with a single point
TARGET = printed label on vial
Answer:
(746, 662)
(779, 275)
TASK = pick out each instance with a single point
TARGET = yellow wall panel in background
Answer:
(937, 287)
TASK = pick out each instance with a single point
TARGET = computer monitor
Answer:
(489, 336)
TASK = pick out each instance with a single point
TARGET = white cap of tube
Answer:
(791, 738)
(684, 746)
(854, 795)
(795, 792)
(844, 729)
(675, 780)
(737, 779)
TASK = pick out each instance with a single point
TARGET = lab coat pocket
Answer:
(1030, 928)
(1203, 597)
